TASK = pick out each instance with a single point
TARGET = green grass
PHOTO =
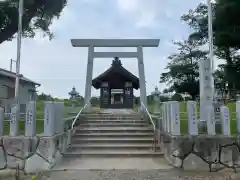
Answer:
(184, 116)
(39, 117)
(39, 127)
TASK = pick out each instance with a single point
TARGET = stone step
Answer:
(116, 135)
(106, 121)
(113, 117)
(87, 140)
(111, 146)
(85, 124)
(113, 130)
(113, 153)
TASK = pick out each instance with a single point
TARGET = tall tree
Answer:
(38, 15)
(183, 75)
(226, 33)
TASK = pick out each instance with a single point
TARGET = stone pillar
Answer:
(192, 118)
(49, 119)
(210, 120)
(157, 100)
(88, 85)
(59, 113)
(14, 120)
(225, 120)
(143, 96)
(30, 119)
(74, 108)
(1, 121)
(163, 110)
(167, 116)
(238, 116)
(206, 87)
(175, 118)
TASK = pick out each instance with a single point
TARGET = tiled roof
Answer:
(10, 74)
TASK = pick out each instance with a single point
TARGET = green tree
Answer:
(38, 15)
(226, 33)
(177, 97)
(182, 75)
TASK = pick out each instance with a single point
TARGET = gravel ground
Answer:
(134, 175)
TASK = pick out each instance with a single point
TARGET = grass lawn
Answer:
(184, 116)
(39, 117)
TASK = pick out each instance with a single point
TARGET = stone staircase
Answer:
(113, 135)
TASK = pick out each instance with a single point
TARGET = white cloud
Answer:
(58, 66)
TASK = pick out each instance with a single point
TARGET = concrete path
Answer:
(112, 163)
(133, 175)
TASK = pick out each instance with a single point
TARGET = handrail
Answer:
(77, 116)
(150, 116)
(153, 124)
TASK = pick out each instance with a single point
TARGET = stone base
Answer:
(33, 154)
(201, 152)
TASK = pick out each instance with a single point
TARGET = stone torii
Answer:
(138, 43)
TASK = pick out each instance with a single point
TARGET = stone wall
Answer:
(202, 152)
(33, 154)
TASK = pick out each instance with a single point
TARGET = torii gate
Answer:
(138, 43)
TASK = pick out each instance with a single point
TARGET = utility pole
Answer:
(19, 39)
(210, 37)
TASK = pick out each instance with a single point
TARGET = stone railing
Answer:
(204, 144)
(35, 152)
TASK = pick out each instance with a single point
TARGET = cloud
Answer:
(58, 66)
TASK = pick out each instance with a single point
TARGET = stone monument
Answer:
(73, 94)
(156, 95)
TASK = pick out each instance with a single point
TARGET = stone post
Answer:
(238, 116)
(225, 120)
(192, 118)
(210, 120)
(206, 87)
(169, 116)
(163, 115)
(157, 100)
(49, 119)
(1, 121)
(30, 119)
(59, 113)
(14, 120)
(175, 118)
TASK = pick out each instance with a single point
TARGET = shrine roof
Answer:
(116, 69)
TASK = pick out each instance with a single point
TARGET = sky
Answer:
(58, 66)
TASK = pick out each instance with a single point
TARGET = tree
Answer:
(226, 33)
(177, 97)
(38, 15)
(44, 97)
(183, 75)
(227, 24)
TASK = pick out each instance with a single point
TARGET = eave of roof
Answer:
(120, 69)
(10, 74)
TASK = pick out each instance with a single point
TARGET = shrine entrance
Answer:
(138, 43)
(116, 87)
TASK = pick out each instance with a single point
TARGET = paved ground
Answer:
(133, 175)
(113, 163)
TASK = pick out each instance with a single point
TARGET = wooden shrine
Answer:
(116, 86)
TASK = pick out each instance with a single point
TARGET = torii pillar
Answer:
(138, 43)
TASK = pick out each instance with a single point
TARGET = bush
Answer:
(177, 97)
